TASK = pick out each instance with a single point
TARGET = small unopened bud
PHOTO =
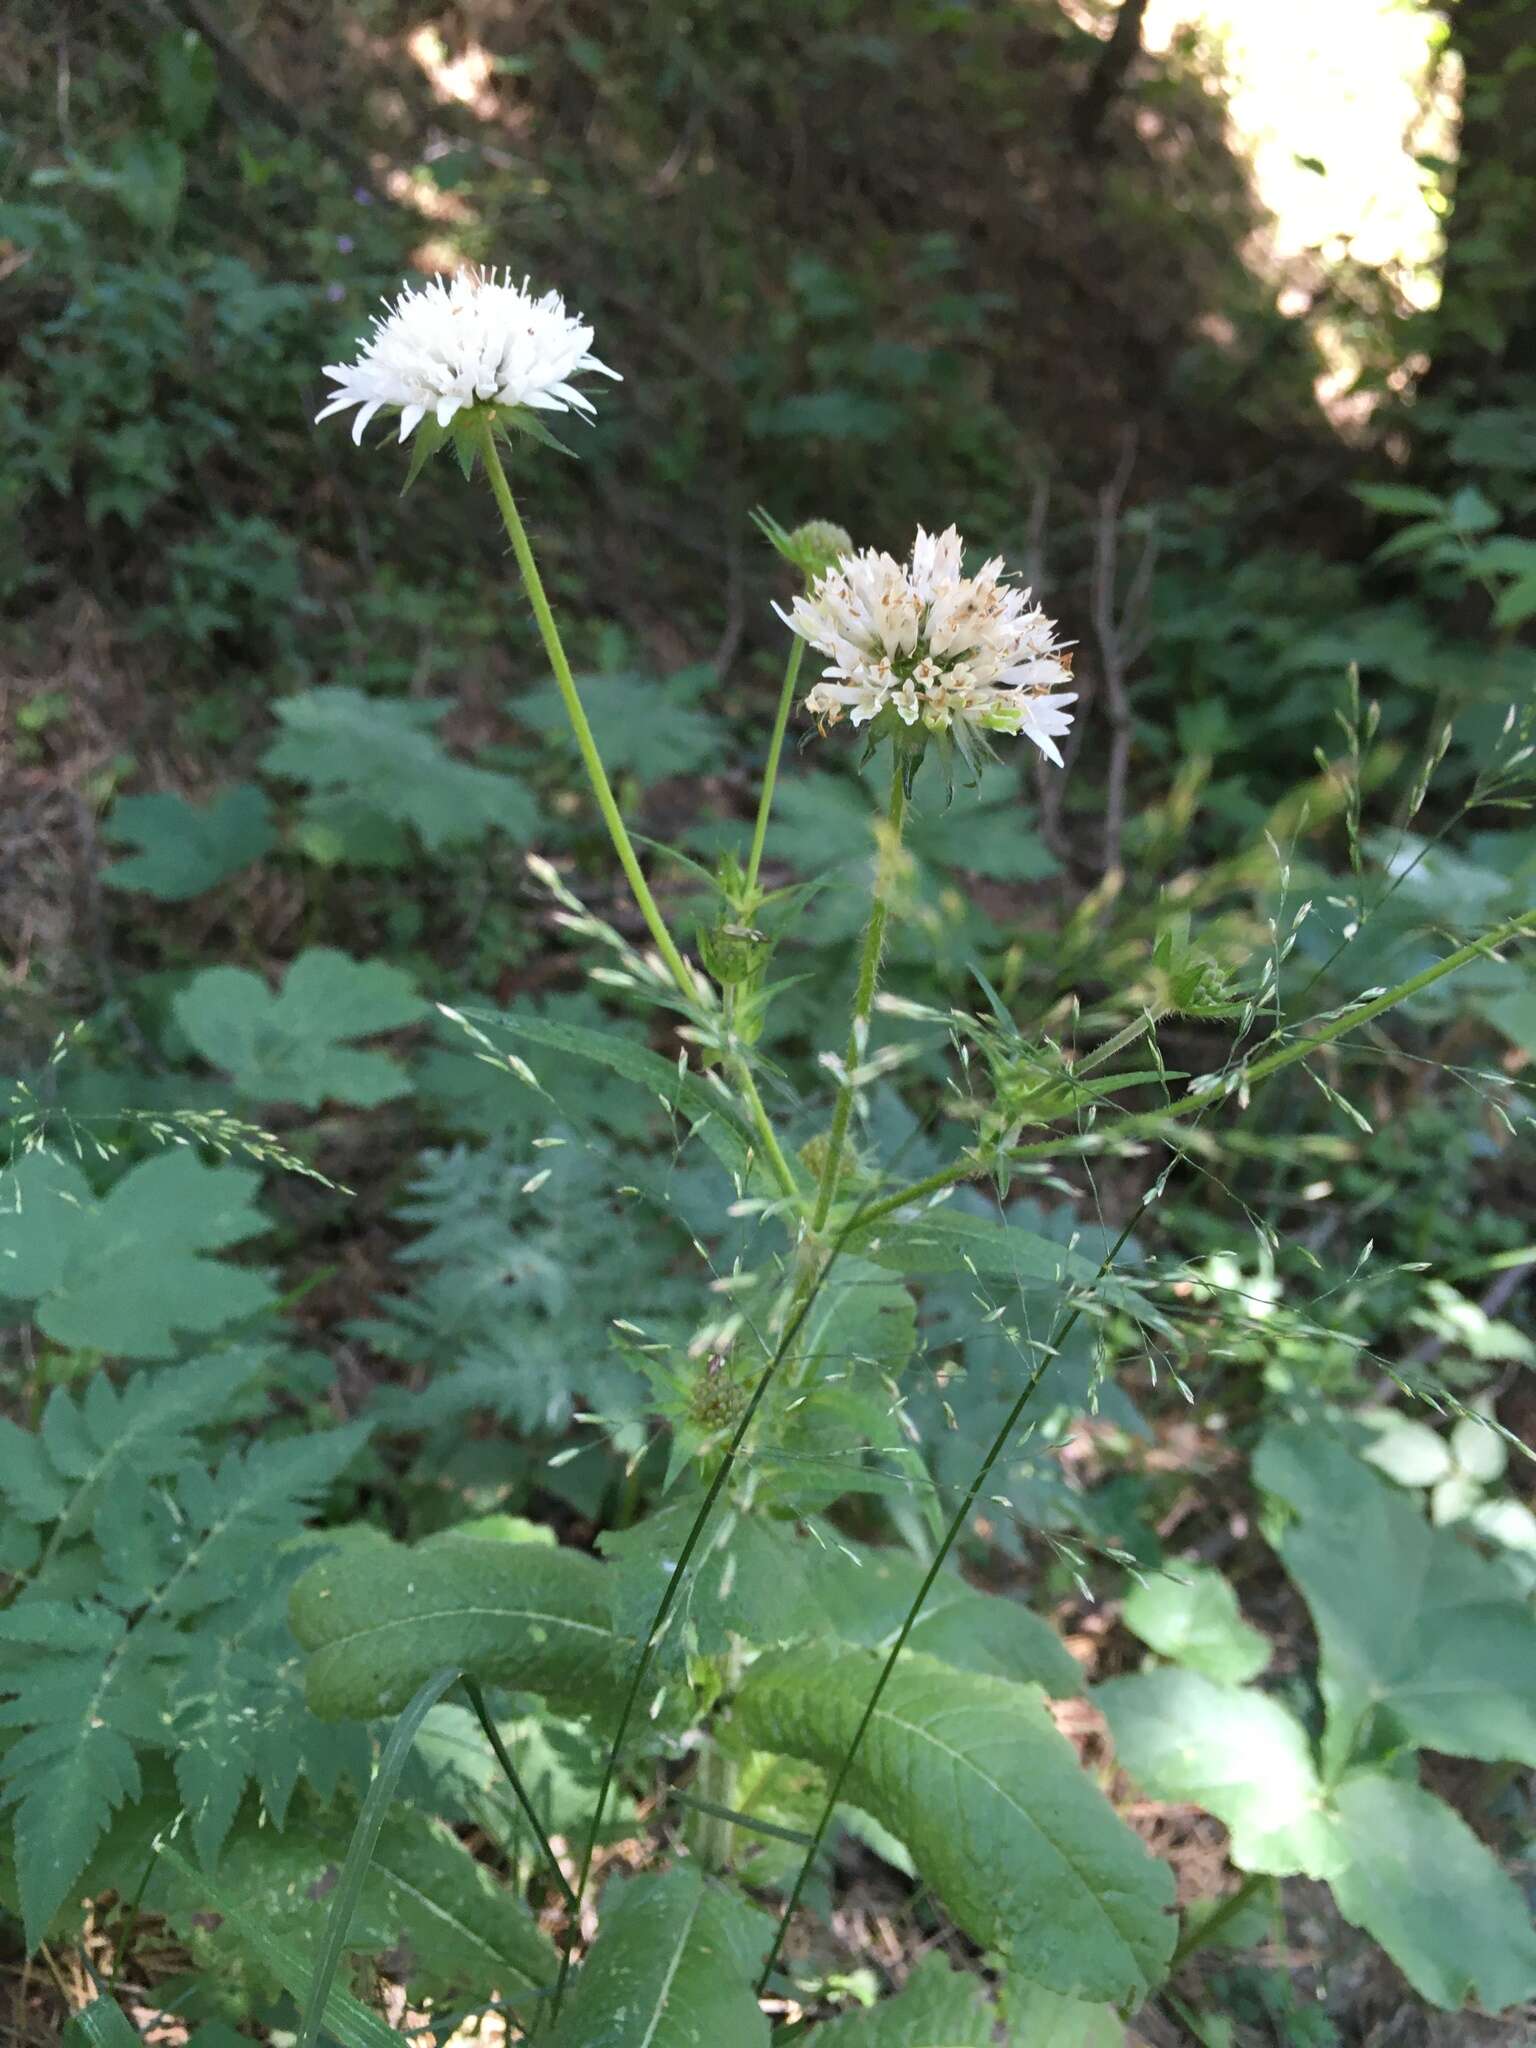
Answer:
(732, 952)
(818, 546)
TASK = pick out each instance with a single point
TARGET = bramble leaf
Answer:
(376, 761)
(938, 2007)
(125, 1273)
(972, 1775)
(292, 1047)
(185, 848)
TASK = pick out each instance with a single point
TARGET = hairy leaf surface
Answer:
(672, 1967)
(378, 1620)
(1000, 1818)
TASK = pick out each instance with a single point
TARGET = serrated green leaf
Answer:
(971, 1773)
(381, 754)
(88, 1443)
(672, 1967)
(1190, 1615)
(293, 1046)
(1242, 1756)
(1449, 1661)
(125, 1273)
(346, 2018)
(184, 848)
(938, 2007)
(425, 1893)
(1418, 1880)
(378, 1621)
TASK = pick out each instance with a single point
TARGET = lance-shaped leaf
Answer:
(970, 1772)
(424, 1892)
(126, 1273)
(293, 1047)
(672, 1967)
(379, 1619)
(1240, 1755)
(1449, 1660)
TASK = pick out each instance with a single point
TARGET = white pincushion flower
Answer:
(467, 341)
(963, 656)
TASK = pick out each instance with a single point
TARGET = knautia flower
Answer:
(918, 649)
(472, 340)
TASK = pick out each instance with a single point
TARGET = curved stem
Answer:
(1147, 1123)
(597, 775)
(771, 769)
(863, 998)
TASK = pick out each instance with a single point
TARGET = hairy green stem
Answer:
(597, 775)
(863, 997)
(771, 769)
(1146, 1123)
(602, 789)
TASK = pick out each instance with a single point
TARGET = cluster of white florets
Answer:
(471, 340)
(966, 655)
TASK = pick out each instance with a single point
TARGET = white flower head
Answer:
(920, 646)
(470, 340)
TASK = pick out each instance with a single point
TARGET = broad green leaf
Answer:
(938, 2007)
(970, 1772)
(424, 1892)
(126, 1273)
(184, 848)
(753, 1577)
(866, 1594)
(1416, 1878)
(947, 1240)
(1448, 1661)
(1242, 1756)
(346, 2018)
(1037, 2018)
(646, 729)
(1190, 1615)
(672, 1967)
(1409, 1452)
(293, 1047)
(379, 1620)
(380, 755)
